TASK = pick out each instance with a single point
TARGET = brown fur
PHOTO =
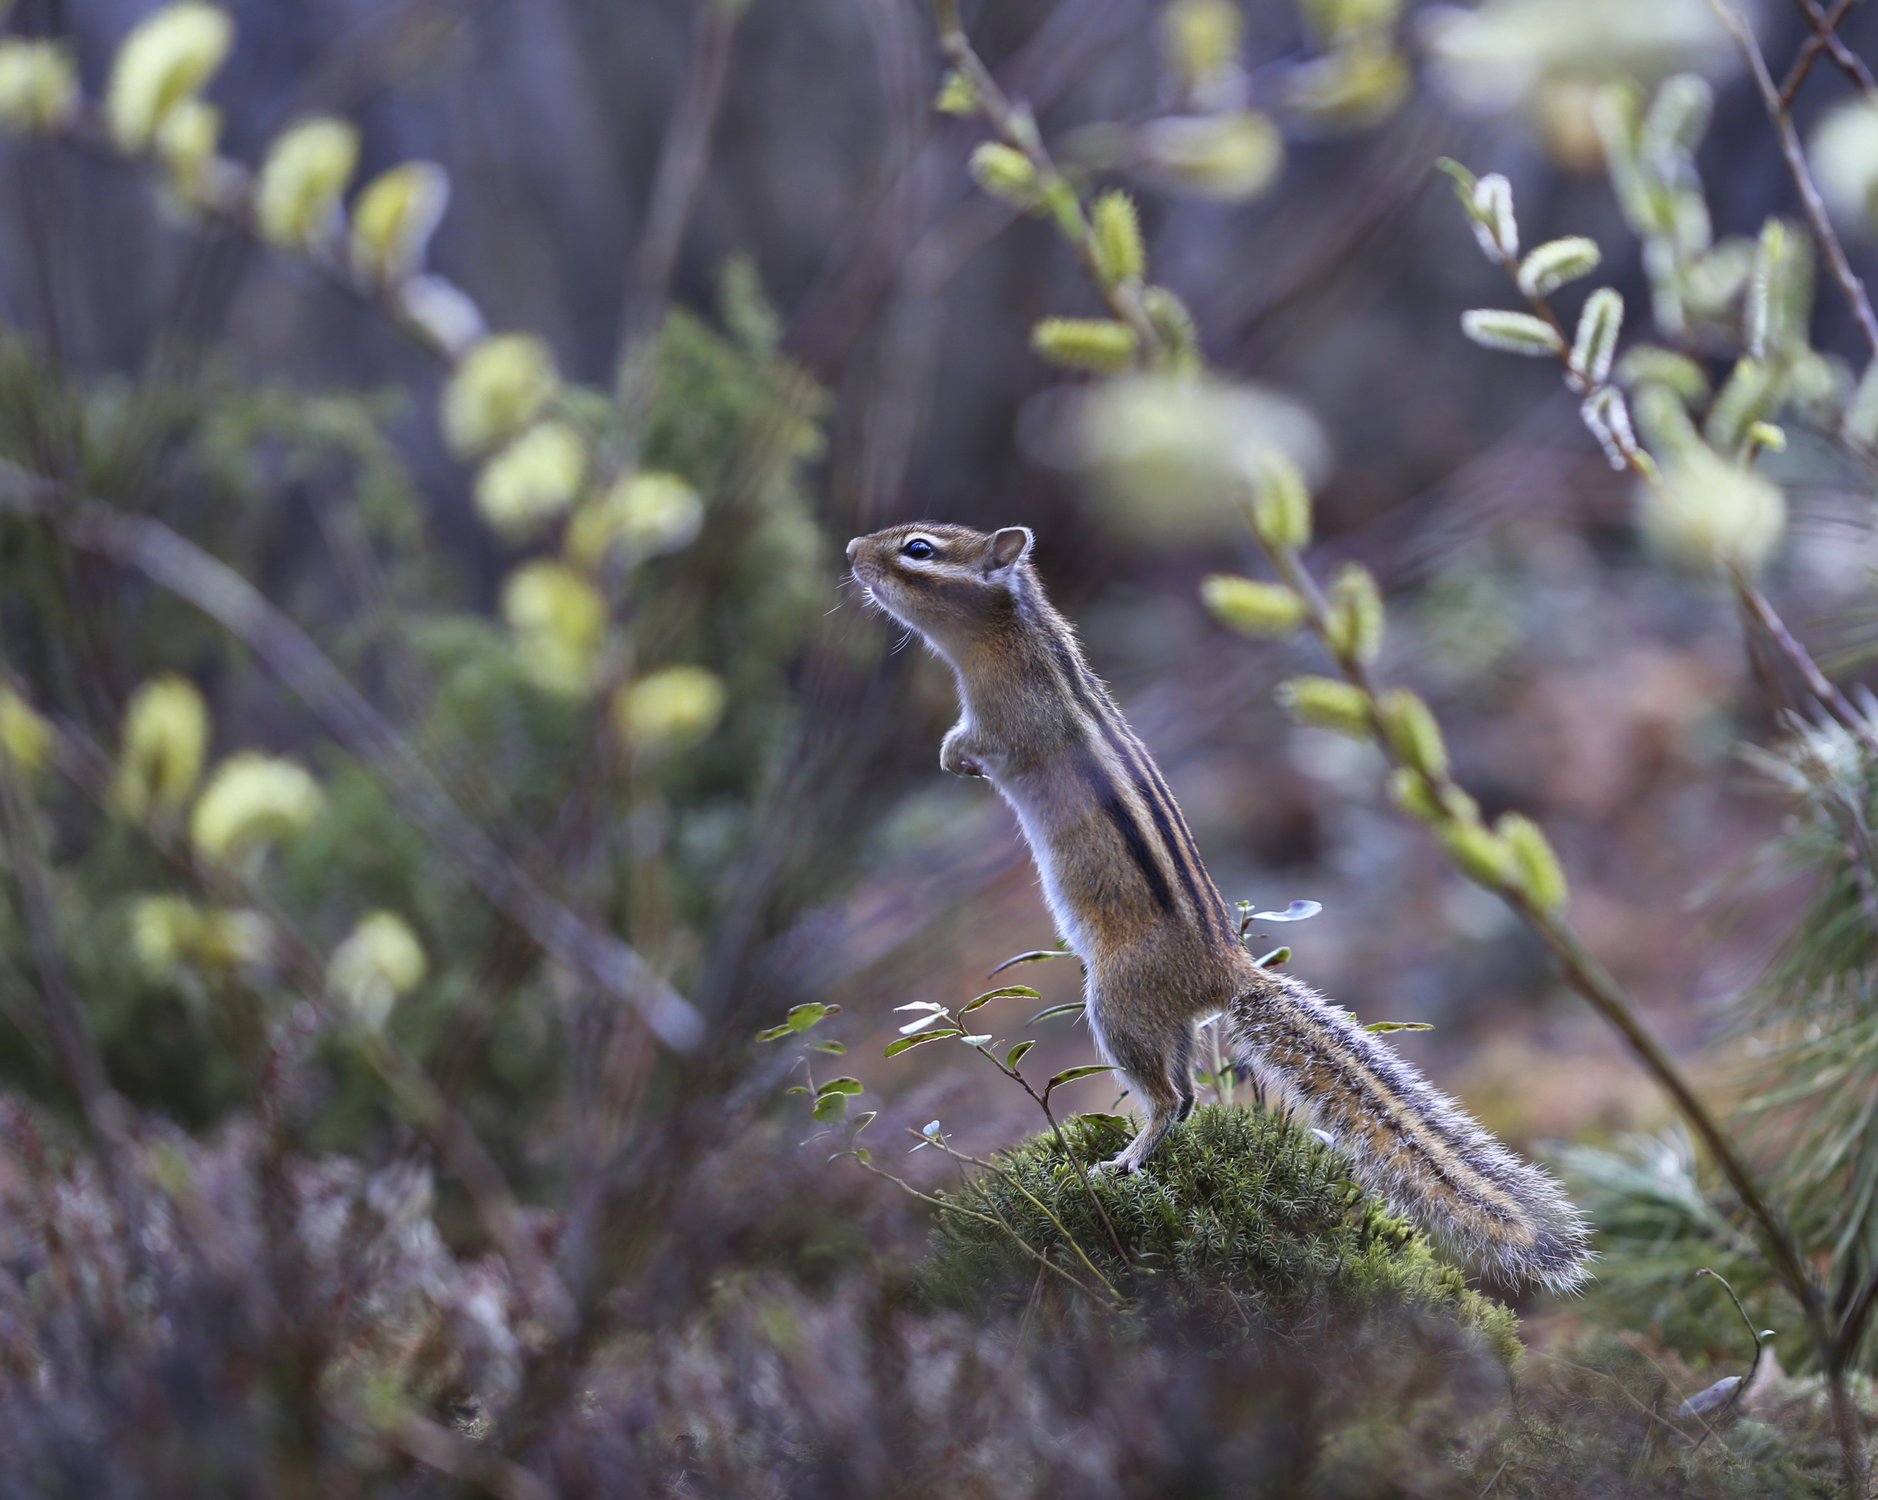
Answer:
(1132, 898)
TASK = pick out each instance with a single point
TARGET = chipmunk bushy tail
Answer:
(1413, 1146)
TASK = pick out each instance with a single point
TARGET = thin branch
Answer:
(1758, 608)
(1795, 154)
(1826, 38)
(679, 174)
(230, 202)
(184, 569)
(946, 1205)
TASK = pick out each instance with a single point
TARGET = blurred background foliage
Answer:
(316, 1175)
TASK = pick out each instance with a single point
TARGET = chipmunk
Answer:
(1160, 950)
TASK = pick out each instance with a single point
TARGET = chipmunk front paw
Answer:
(958, 755)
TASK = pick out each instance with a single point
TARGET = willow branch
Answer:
(1795, 153)
(179, 566)
(1014, 122)
(1755, 606)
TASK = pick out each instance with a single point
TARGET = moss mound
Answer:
(1244, 1223)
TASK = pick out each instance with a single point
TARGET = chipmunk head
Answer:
(949, 583)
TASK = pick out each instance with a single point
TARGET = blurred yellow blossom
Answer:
(25, 737)
(644, 515)
(166, 736)
(379, 961)
(559, 620)
(394, 218)
(167, 58)
(534, 479)
(1235, 156)
(38, 84)
(670, 709)
(296, 197)
(1707, 512)
(251, 800)
(500, 386)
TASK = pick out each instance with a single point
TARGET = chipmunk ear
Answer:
(1008, 546)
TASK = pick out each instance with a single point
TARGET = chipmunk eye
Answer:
(919, 547)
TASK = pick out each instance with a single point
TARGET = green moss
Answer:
(1244, 1223)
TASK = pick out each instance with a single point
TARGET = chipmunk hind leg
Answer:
(1157, 1058)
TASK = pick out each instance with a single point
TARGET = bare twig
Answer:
(678, 176)
(1826, 38)
(946, 1205)
(1795, 153)
(178, 565)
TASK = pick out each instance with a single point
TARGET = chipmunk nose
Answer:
(853, 547)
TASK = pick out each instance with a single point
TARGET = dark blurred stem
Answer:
(176, 564)
(1826, 38)
(675, 184)
(1795, 154)
(1856, 1315)
(1756, 606)
(60, 1007)
(1019, 129)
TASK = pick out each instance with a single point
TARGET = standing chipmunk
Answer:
(1160, 951)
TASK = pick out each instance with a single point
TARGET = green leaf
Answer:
(1276, 958)
(839, 1086)
(864, 1119)
(1008, 992)
(829, 1108)
(1383, 1028)
(1015, 1055)
(1035, 956)
(833, 1049)
(1074, 1008)
(794, 1088)
(802, 1017)
(775, 1033)
(1070, 1075)
(908, 1043)
(1464, 180)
